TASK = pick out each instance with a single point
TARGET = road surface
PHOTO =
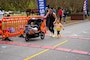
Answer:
(73, 45)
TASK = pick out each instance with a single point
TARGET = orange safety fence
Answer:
(14, 21)
(43, 26)
(0, 32)
(18, 23)
(8, 34)
(0, 24)
(0, 27)
(36, 17)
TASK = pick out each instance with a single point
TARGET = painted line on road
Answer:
(73, 51)
(63, 49)
(55, 47)
(60, 43)
(48, 47)
(76, 37)
(41, 52)
(80, 52)
(20, 44)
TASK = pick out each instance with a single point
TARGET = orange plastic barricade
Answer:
(18, 24)
(35, 17)
(0, 27)
(8, 34)
(0, 32)
(15, 22)
(43, 26)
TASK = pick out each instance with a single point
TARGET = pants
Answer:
(51, 29)
(60, 18)
(64, 17)
(58, 32)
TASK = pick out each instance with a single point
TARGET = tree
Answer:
(17, 5)
(73, 5)
(22, 5)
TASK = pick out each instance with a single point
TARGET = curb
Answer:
(86, 20)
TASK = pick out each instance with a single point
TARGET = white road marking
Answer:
(84, 32)
(74, 34)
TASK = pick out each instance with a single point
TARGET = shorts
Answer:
(58, 29)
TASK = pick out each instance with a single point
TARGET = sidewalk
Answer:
(71, 22)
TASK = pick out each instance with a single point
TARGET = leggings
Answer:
(51, 29)
(60, 18)
(58, 32)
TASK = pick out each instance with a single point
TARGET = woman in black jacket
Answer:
(50, 19)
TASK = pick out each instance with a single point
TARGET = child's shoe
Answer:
(57, 36)
(60, 35)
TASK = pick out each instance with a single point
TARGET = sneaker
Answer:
(57, 37)
(50, 34)
(53, 35)
(60, 35)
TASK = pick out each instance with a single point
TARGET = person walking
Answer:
(60, 12)
(1, 14)
(64, 15)
(50, 18)
(58, 27)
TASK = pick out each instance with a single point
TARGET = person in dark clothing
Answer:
(64, 15)
(28, 12)
(50, 19)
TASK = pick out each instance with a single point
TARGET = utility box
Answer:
(77, 16)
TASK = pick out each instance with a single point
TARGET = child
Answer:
(58, 27)
(33, 26)
(31, 29)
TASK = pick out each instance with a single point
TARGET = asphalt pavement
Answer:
(73, 45)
